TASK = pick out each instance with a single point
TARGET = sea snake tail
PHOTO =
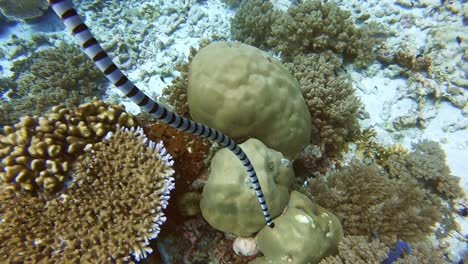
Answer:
(71, 19)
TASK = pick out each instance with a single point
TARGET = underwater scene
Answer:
(234, 131)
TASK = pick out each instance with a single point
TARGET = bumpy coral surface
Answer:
(304, 233)
(110, 211)
(229, 203)
(37, 152)
(244, 92)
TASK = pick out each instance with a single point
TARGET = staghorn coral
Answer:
(331, 101)
(111, 210)
(361, 249)
(61, 74)
(252, 23)
(36, 153)
(368, 148)
(369, 202)
(427, 166)
(23, 9)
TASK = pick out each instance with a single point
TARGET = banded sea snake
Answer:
(64, 9)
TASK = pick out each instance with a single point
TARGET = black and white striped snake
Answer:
(65, 10)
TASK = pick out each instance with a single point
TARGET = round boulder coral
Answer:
(229, 203)
(305, 233)
(244, 92)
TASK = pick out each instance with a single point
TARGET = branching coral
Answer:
(360, 249)
(23, 9)
(58, 75)
(252, 23)
(36, 153)
(332, 104)
(314, 26)
(111, 210)
(426, 165)
(368, 202)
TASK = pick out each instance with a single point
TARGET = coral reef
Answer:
(36, 153)
(332, 103)
(228, 201)
(368, 148)
(311, 26)
(23, 9)
(192, 156)
(231, 88)
(427, 166)
(304, 233)
(61, 74)
(369, 202)
(232, 3)
(361, 249)
(111, 209)
(175, 94)
(252, 23)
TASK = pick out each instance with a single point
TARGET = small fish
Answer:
(458, 39)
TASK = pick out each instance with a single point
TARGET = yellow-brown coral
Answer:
(111, 209)
(36, 153)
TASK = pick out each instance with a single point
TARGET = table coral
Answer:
(110, 211)
(36, 153)
(61, 74)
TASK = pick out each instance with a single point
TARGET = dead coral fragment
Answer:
(23, 9)
(111, 210)
(368, 202)
(36, 153)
